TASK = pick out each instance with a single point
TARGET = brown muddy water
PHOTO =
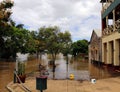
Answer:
(6, 74)
(81, 69)
(7, 69)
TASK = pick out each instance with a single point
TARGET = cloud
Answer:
(80, 17)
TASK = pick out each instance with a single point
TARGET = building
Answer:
(110, 17)
(95, 46)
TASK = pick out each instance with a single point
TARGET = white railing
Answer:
(110, 29)
(117, 26)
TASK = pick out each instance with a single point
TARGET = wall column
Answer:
(116, 52)
(108, 53)
(113, 20)
(111, 52)
(103, 52)
(107, 21)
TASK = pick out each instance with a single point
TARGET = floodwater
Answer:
(6, 74)
(63, 70)
(81, 69)
(7, 69)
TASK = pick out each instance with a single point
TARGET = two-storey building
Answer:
(110, 17)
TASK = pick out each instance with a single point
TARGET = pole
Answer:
(15, 70)
(67, 66)
(14, 76)
(17, 64)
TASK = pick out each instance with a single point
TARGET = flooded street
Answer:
(6, 74)
(7, 69)
(63, 70)
(81, 69)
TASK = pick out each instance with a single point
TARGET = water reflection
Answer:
(7, 68)
(82, 69)
(79, 69)
(100, 71)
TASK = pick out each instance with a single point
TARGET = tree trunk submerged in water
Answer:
(54, 66)
(67, 66)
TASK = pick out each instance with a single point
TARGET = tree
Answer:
(66, 44)
(34, 35)
(5, 12)
(80, 46)
(18, 40)
(54, 41)
(25, 38)
(13, 38)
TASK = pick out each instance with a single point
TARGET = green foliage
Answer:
(21, 68)
(16, 40)
(5, 28)
(13, 38)
(39, 42)
(54, 40)
(81, 46)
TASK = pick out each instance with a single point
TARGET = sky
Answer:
(79, 17)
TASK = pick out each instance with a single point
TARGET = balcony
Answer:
(105, 7)
(106, 4)
(109, 6)
(110, 29)
(117, 25)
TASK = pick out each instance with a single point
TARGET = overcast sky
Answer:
(80, 17)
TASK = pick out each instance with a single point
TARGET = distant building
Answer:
(95, 46)
(110, 32)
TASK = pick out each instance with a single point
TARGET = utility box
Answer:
(41, 83)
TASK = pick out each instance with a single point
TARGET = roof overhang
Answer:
(110, 8)
(102, 1)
